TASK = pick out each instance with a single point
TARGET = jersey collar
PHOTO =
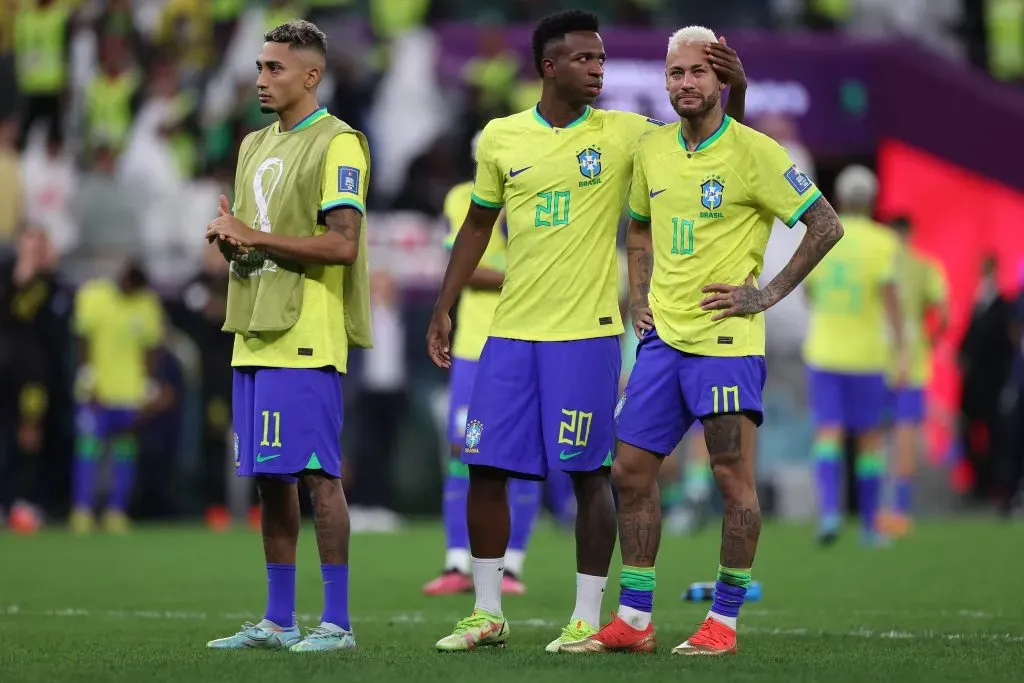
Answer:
(306, 122)
(726, 119)
(544, 122)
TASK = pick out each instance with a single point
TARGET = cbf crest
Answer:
(712, 192)
(474, 431)
(589, 160)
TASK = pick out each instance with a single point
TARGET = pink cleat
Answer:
(451, 582)
(510, 585)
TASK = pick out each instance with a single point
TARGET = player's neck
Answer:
(558, 113)
(697, 129)
(288, 119)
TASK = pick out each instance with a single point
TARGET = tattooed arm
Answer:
(640, 254)
(339, 245)
(823, 231)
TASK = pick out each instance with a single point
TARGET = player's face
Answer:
(285, 76)
(577, 66)
(693, 86)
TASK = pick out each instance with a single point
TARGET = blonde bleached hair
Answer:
(691, 35)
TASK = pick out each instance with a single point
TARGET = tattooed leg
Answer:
(635, 472)
(332, 524)
(731, 444)
(280, 526)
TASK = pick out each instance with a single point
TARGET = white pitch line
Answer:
(419, 618)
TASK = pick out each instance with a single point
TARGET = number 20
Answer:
(555, 205)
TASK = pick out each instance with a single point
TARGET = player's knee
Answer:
(870, 440)
(629, 474)
(731, 477)
(832, 433)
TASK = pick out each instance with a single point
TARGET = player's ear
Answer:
(313, 77)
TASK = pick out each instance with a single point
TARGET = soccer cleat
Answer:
(893, 524)
(574, 633)
(24, 518)
(451, 582)
(81, 521)
(265, 634)
(615, 636)
(324, 638)
(828, 530)
(510, 585)
(116, 522)
(712, 638)
(479, 629)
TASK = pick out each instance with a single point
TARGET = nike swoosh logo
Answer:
(513, 174)
(568, 456)
(263, 458)
(655, 193)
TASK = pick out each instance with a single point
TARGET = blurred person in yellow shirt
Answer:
(10, 180)
(855, 327)
(120, 325)
(922, 289)
(110, 97)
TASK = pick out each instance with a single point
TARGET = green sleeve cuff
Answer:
(484, 203)
(638, 217)
(338, 203)
(798, 214)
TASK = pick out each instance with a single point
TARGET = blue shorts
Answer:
(102, 423)
(670, 389)
(287, 420)
(907, 405)
(855, 402)
(541, 406)
(460, 388)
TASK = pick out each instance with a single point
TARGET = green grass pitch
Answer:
(947, 604)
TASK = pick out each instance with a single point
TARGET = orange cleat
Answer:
(451, 582)
(24, 519)
(712, 638)
(616, 636)
(892, 524)
(218, 518)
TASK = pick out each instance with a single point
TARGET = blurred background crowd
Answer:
(121, 119)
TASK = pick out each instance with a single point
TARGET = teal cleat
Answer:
(324, 638)
(265, 634)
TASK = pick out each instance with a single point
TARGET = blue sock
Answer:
(869, 467)
(730, 591)
(636, 592)
(904, 491)
(524, 499)
(335, 595)
(280, 594)
(456, 486)
(827, 466)
(124, 451)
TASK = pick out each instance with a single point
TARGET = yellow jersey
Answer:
(563, 190)
(921, 286)
(119, 330)
(476, 306)
(321, 323)
(711, 212)
(848, 330)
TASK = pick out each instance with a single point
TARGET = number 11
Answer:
(266, 429)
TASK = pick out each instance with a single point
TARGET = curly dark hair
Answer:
(555, 26)
(298, 33)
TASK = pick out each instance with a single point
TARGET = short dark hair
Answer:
(298, 33)
(555, 26)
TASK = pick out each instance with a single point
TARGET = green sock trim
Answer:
(870, 464)
(124, 448)
(458, 469)
(638, 578)
(734, 577)
(673, 494)
(88, 447)
(826, 449)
